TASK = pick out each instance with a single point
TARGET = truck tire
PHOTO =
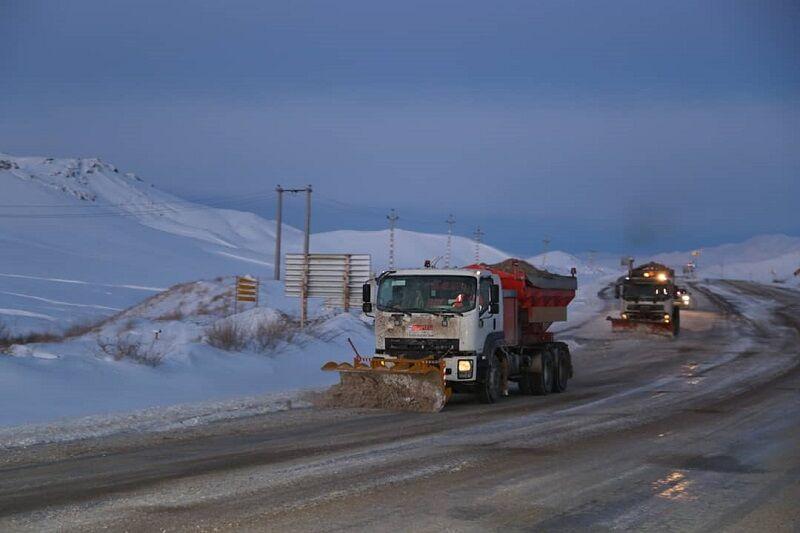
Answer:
(561, 370)
(488, 390)
(526, 384)
(542, 382)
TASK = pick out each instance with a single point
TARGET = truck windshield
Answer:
(427, 294)
(634, 291)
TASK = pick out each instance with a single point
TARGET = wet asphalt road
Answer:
(700, 433)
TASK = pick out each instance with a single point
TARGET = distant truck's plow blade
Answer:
(656, 328)
(399, 384)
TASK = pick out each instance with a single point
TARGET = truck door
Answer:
(488, 321)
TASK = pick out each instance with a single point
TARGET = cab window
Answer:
(485, 295)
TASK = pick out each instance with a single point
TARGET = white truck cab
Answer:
(447, 313)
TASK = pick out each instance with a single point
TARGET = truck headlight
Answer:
(666, 318)
(624, 316)
(662, 276)
(685, 298)
(464, 368)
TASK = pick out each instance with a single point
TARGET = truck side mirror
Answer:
(366, 298)
(494, 306)
(366, 293)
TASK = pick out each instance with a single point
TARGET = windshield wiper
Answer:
(437, 312)
(422, 310)
(395, 310)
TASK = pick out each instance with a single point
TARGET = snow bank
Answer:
(150, 420)
(171, 361)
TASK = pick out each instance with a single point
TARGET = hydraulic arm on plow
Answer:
(471, 330)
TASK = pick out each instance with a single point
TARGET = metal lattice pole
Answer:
(392, 217)
(592, 256)
(545, 243)
(448, 255)
(478, 236)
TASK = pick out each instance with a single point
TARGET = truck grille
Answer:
(646, 307)
(653, 312)
(421, 347)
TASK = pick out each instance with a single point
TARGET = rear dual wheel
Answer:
(562, 371)
(539, 383)
(553, 377)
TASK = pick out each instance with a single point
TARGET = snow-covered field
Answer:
(87, 245)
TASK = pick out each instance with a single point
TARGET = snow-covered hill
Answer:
(765, 258)
(82, 239)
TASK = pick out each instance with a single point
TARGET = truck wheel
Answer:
(542, 382)
(526, 384)
(489, 389)
(561, 371)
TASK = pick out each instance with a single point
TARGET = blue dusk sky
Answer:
(623, 126)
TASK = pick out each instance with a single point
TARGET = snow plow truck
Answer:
(648, 296)
(467, 330)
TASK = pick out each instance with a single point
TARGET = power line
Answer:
(377, 211)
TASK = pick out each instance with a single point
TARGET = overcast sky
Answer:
(625, 126)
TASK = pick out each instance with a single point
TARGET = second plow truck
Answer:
(467, 330)
(647, 295)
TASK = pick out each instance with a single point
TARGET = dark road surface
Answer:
(699, 433)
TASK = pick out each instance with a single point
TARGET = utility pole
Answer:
(278, 214)
(306, 241)
(592, 254)
(450, 221)
(392, 218)
(546, 243)
(478, 235)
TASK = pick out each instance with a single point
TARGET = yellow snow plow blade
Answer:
(402, 384)
(656, 328)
